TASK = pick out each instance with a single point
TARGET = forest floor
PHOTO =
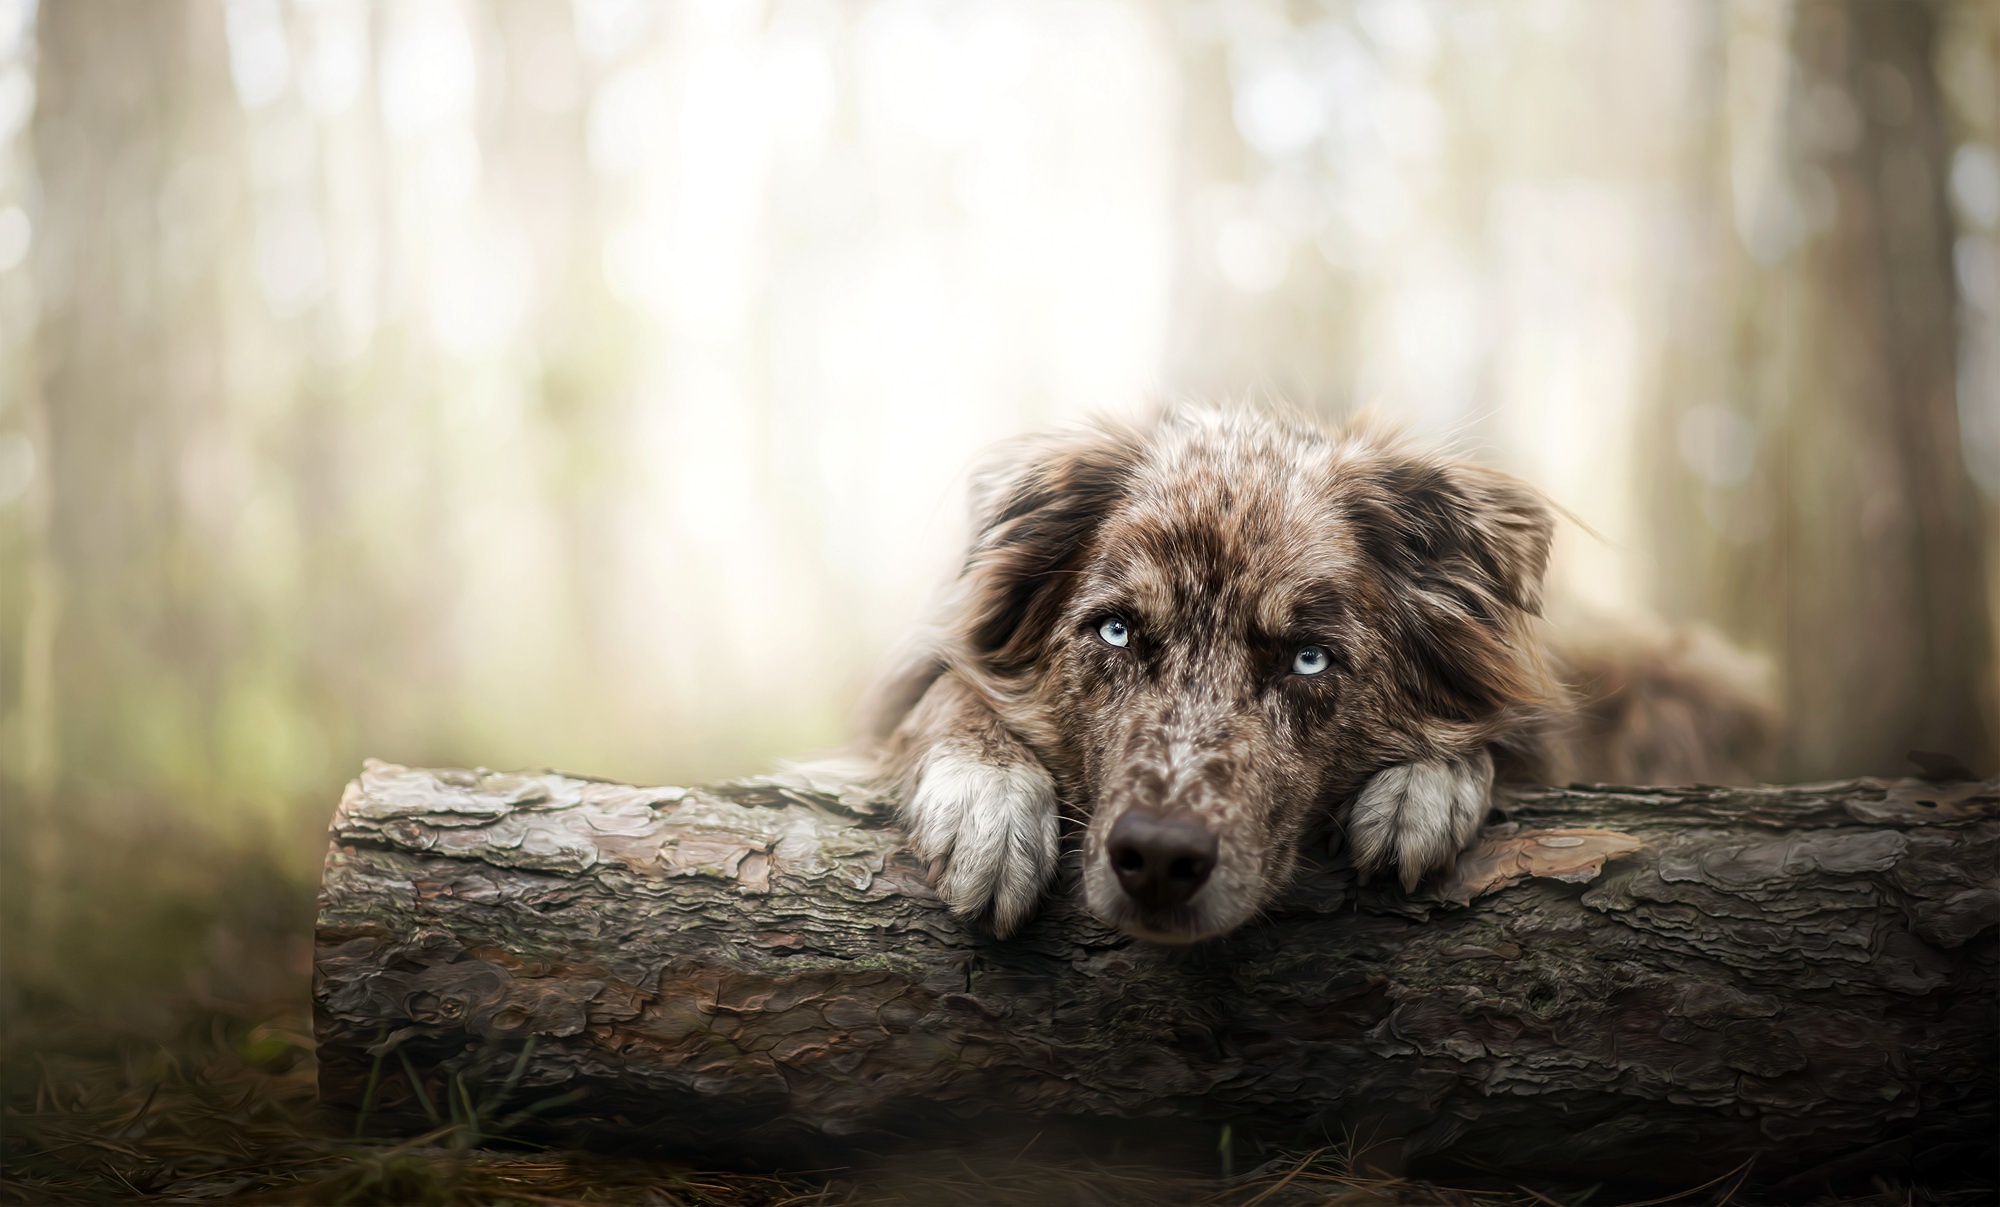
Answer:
(219, 1107)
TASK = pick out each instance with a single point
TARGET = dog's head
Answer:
(1213, 628)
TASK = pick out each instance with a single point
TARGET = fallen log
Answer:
(1622, 984)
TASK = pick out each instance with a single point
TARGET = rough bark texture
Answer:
(1625, 984)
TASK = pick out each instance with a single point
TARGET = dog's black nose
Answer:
(1160, 861)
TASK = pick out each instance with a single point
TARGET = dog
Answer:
(1199, 633)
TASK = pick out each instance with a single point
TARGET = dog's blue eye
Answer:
(1114, 632)
(1311, 660)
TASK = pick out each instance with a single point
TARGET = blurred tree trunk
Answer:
(135, 153)
(134, 143)
(1820, 507)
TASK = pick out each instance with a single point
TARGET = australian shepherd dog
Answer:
(1195, 636)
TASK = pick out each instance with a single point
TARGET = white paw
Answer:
(989, 832)
(1418, 816)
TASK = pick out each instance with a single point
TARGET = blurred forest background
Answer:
(591, 383)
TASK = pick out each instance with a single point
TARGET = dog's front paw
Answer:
(989, 832)
(1418, 816)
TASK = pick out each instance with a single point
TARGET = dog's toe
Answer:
(989, 830)
(1417, 817)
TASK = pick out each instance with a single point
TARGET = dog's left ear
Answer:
(1466, 549)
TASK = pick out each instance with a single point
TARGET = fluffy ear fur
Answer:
(1034, 512)
(1466, 549)
(1035, 506)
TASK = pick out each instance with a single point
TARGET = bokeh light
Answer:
(595, 384)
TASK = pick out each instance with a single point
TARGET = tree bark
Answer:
(1620, 984)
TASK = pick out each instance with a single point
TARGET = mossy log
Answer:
(1620, 984)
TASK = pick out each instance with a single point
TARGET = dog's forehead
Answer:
(1251, 526)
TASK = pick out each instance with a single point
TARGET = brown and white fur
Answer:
(1199, 633)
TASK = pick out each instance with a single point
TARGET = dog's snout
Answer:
(1160, 860)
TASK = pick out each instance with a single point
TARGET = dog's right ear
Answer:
(1035, 509)
(1466, 549)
